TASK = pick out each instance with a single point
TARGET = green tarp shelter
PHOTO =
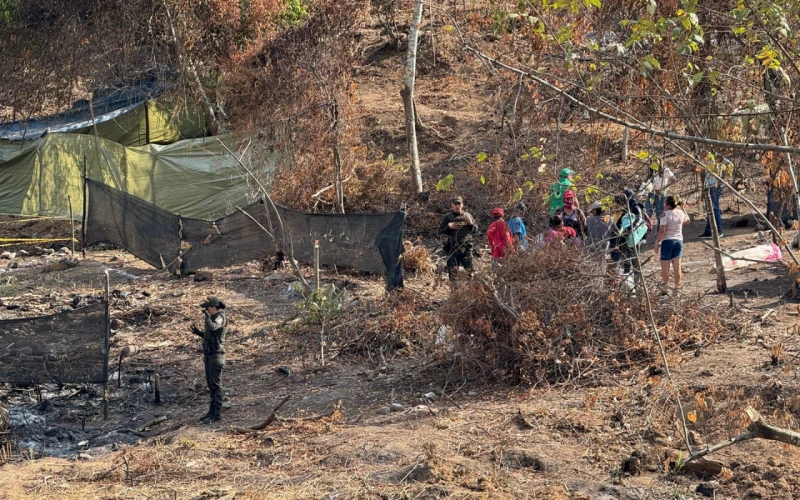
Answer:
(194, 178)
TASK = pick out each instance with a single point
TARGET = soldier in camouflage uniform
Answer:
(216, 326)
(458, 226)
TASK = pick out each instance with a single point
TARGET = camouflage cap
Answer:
(458, 200)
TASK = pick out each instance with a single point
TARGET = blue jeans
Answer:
(656, 206)
(716, 193)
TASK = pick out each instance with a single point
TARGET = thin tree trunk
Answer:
(407, 94)
(722, 283)
(790, 167)
(337, 158)
(624, 153)
(188, 65)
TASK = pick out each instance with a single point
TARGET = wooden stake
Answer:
(71, 222)
(157, 389)
(106, 347)
(85, 209)
(316, 264)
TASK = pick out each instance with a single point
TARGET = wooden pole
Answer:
(71, 222)
(316, 264)
(157, 389)
(85, 209)
(106, 347)
(722, 283)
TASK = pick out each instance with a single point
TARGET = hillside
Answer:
(580, 413)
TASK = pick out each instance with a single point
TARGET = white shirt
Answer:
(661, 182)
(673, 221)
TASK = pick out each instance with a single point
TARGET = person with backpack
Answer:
(630, 228)
(670, 242)
(500, 239)
(517, 227)
(571, 215)
(561, 186)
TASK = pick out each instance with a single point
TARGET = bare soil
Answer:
(570, 442)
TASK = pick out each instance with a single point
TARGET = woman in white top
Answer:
(670, 241)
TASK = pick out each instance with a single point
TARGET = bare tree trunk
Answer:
(408, 95)
(796, 196)
(337, 158)
(722, 283)
(624, 154)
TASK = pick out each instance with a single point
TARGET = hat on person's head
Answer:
(566, 172)
(521, 207)
(569, 194)
(498, 212)
(594, 206)
(212, 301)
(458, 200)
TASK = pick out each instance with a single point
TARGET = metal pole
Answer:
(71, 222)
(316, 264)
(106, 348)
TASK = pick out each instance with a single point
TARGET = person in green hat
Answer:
(213, 335)
(560, 187)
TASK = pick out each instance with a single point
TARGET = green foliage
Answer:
(445, 183)
(8, 10)
(295, 12)
(321, 303)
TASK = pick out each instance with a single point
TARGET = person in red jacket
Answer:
(499, 235)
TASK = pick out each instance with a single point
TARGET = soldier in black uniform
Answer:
(216, 326)
(458, 226)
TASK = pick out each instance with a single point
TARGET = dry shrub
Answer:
(560, 317)
(416, 259)
(5, 440)
(403, 320)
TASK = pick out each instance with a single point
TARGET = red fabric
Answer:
(500, 239)
(564, 233)
(498, 212)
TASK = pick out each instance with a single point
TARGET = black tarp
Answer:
(148, 232)
(367, 242)
(85, 114)
(62, 348)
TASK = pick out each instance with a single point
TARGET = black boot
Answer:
(208, 414)
(214, 417)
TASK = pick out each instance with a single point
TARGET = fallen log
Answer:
(264, 423)
(758, 428)
(153, 422)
